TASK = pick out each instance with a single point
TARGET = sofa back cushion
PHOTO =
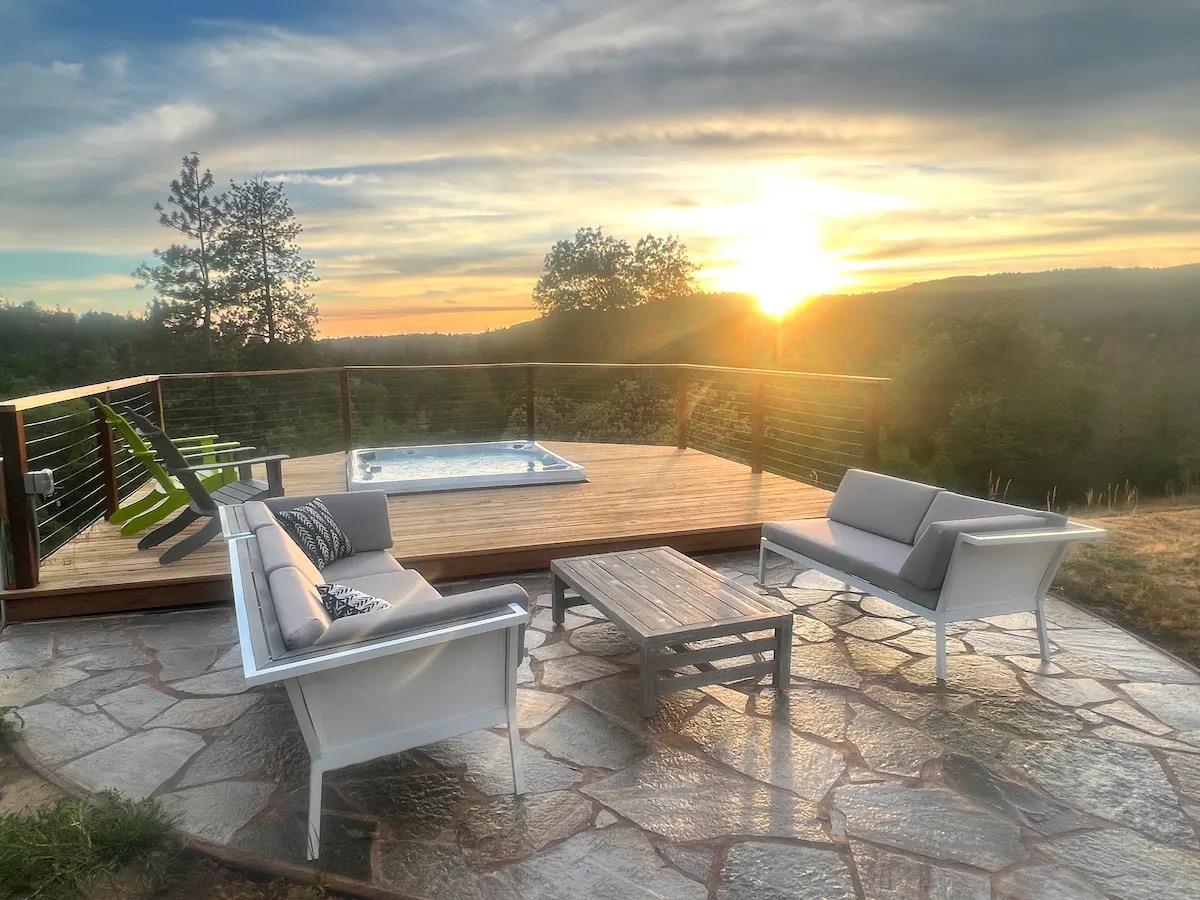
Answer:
(362, 515)
(927, 562)
(889, 507)
(949, 506)
(298, 610)
(278, 550)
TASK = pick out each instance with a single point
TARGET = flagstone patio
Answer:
(1077, 779)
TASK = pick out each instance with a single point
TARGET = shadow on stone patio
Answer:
(1074, 779)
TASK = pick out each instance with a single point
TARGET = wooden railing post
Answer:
(681, 409)
(159, 406)
(22, 520)
(872, 421)
(108, 460)
(757, 425)
(347, 412)
(530, 404)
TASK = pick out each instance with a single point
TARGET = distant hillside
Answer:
(860, 333)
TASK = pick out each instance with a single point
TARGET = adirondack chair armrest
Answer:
(208, 467)
(274, 465)
(194, 439)
(206, 452)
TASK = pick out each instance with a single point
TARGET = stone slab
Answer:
(55, 733)
(584, 737)
(137, 766)
(766, 750)
(199, 715)
(612, 862)
(932, 822)
(216, 811)
(755, 870)
(684, 798)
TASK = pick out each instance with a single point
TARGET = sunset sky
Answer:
(434, 150)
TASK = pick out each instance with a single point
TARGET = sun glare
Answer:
(783, 267)
(771, 247)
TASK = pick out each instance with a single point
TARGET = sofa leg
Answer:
(314, 811)
(762, 566)
(516, 651)
(1043, 640)
(940, 632)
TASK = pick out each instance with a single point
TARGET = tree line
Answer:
(234, 273)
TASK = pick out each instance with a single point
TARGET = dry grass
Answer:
(1146, 575)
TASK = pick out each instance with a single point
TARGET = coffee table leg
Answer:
(783, 656)
(649, 684)
(558, 600)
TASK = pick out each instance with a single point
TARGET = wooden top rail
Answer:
(694, 367)
(33, 401)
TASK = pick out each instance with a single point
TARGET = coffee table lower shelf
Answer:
(663, 600)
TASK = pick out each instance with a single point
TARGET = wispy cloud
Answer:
(443, 147)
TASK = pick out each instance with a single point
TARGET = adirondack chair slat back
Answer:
(138, 447)
(198, 497)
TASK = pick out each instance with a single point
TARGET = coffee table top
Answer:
(659, 594)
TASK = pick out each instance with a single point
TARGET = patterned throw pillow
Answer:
(316, 532)
(341, 601)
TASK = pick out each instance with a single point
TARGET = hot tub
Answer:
(455, 467)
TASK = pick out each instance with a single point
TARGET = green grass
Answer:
(63, 850)
(10, 723)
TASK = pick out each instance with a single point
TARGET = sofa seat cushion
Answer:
(341, 600)
(852, 551)
(396, 588)
(297, 607)
(360, 565)
(949, 506)
(926, 565)
(880, 504)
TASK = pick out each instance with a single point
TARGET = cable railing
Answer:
(808, 427)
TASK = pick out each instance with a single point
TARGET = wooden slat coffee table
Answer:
(662, 599)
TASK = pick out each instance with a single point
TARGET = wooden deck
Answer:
(635, 496)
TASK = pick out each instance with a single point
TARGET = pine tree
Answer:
(270, 301)
(188, 280)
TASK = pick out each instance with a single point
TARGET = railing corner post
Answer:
(530, 403)
(757, 424)
(22, 519)
(681, 408)
(347, 410)
(872, 423)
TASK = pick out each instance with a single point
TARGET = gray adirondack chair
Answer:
(201, 503)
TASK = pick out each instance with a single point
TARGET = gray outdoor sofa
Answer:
(376, 683)
(932, 552)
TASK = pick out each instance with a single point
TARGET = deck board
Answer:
(635, 496)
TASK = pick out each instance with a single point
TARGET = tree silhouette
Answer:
(598, 271)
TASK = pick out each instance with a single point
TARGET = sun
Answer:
(783, 266)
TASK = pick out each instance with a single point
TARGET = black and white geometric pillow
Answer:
(341, 601)
(316, 532)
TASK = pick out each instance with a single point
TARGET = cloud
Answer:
(455, 142)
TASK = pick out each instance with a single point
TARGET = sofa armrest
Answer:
(1071, 532)
(363, 515)
(422, 613)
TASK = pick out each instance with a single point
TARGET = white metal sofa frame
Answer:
(989, 574)
(387, 695)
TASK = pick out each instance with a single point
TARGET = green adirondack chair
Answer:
(168, 495)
